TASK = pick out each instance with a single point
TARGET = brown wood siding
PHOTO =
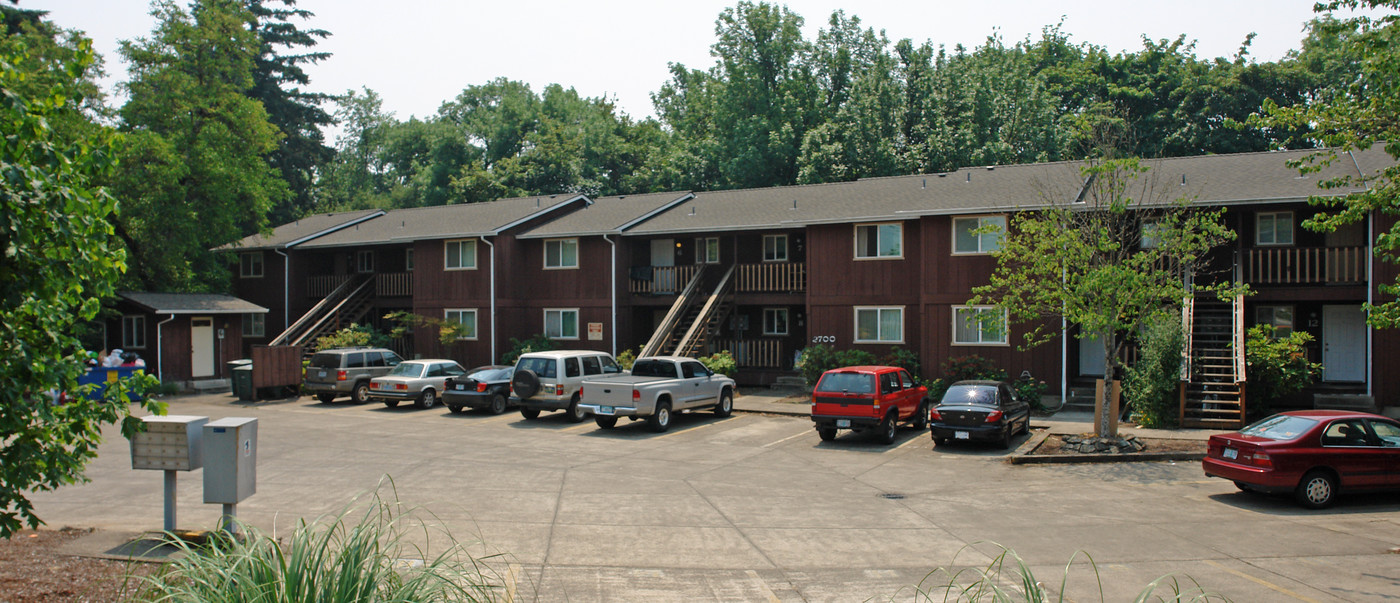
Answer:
(1385, 342)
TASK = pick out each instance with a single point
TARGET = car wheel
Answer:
(827, 433)
(1317, 489)
(1244, 487)
(456, 410)
(391, 403)
(605, 422)
(726, 404)
(427, 399)
(660, 420)
(576, 413)
(498, 404)
(360, 394)
(888, 428)
(1005, 442)
(325, 398)
(1026, 428)
(530, 414)
(920, 418)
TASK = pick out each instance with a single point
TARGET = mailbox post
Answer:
(170, 443)
(230, 472)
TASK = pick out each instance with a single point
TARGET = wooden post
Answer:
(1113, 405)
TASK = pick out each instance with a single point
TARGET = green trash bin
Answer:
(233, 365)
(243, 382)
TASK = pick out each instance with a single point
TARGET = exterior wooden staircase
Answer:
(695, 317)
(347, 304)
(1213, 370)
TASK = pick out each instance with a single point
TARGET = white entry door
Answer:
(1090, 357)
(1343, 343)
(202, 347)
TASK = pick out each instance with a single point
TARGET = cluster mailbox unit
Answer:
(226, 449)
(170, 443)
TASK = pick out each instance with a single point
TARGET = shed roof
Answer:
(191, 303)
(305, 229)
(607, 215)
(446, 221)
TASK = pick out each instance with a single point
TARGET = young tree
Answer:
(1083, 258)
(58, 261)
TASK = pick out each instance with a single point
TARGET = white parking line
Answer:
(794, 436)
(762, 586)
(914, 440)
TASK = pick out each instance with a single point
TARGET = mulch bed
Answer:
(33, 571)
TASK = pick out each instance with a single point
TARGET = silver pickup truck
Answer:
(657, 387)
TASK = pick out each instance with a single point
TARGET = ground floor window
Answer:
(1280, 317)
(775, 321)
(133, 332)
(979, 325)
(254, 325)
(465, 320)
(880, 325)
(561, 323)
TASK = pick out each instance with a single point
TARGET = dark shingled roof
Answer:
(606, 215)
(191, 303)
(444, 221)
(307, 228)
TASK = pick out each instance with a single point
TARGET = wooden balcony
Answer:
(393, 284)
(318, 287)
(660, 280)
(772, 277)
(1305, 265)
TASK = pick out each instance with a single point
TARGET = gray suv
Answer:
(346, 371)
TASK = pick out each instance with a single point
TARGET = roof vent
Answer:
(537, 201)
(692, 210)
(991, 167)
(969, 176)
(794, 203)
(925, 184)
(1183, 179)
(403, 223)
(943, 175)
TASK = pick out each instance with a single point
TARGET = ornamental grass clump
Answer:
(384, 553)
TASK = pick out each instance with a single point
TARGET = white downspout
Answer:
(286, 282)
(612, 295)
(160, 366)
(493, 297)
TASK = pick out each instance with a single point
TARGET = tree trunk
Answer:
(1107, 427)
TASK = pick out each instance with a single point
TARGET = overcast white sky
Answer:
(419, 53)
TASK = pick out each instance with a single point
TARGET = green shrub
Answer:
(538, 343)
(1275, 367)
(167, 388)
(821, 358)
(972, 367)
(721, 362)
(905, 359)
(1031, 390)
(626, 358)
(355, 335)
(1152, 385)
(341, 558)
(448, 331)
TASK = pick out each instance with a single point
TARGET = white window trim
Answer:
(787, 316)
(561, 265)
(252, 319)
(702, 250)
(787, 253)
(476, 320)
(855, 242)
(242, 273)
(140, 332)
(360, 261)
(1006, 336)
(562, 337)
(1292, 229)
(445, 256)
(855, 325)
(979, 219)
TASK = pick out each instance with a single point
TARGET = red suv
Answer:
(868, 398)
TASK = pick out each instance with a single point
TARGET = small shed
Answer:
(184, 336)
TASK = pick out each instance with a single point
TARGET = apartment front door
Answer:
(201, 347)
(1343, 343)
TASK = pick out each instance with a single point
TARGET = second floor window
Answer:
(707, 250)
(967, 239)
(461, 255)
(561, 253)
(879, 241)
(364, 261)
(1273, 228)
(775, 248)
(250, 265)
(408, 260)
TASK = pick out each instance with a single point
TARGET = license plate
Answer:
(605, 410)
(461, 388)
(321, 374)
(960, 435)
(843, 422)
(1231, 453)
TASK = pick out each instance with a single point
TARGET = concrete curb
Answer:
(1026, 458)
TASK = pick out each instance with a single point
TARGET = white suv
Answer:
(550, 380)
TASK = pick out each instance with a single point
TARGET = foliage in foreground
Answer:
(383, 552)
(1007, 579)
(1277, 366)
(1151, 385)
(355, 335)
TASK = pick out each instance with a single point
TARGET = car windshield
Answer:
(495, 374)
(851, 383)
(323, 360)
(980, 395)
(1280, 427)
(654, 368)
(543, 367)
(408, 369)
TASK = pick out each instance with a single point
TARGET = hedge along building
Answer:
(872, 264)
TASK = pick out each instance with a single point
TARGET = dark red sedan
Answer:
(1315, 454)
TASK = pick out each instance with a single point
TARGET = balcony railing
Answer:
(756, 353)
(1305, 265)
(321, 286)
(393, 284)
(772, 277)
(660, 279)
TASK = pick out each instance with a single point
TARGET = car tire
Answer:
(525, 383)
(427, 399)
(726, 404)
(605, 422)
(391, 403)
(888, 428)
(498, 404)
(360, 394)
(1026, 428)
(660, 420)
(827, 434)
(325, 398)
(575, 412)
(1006, 434)
(920, 418)
(1244, 487)
(456, 410)
(530, 414)
(1317, 489)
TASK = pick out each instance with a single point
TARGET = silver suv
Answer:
(346, 371)
(550, 380)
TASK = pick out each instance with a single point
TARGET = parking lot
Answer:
(756, 508)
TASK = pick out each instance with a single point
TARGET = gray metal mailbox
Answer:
(230, 459)
(170, 443)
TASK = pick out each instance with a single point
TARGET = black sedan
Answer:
(986, 411)
(482, 387)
